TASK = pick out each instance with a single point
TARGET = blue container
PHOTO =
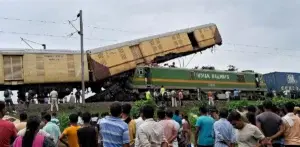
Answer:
(281, 81)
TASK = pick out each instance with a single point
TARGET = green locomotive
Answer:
(249, 83)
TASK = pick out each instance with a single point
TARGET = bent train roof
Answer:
(137, 41)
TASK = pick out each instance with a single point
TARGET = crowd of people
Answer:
(244, 127)
(51, 98)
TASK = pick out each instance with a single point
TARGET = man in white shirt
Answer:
(247, 135)
(139, 120)
(227, 95)
(173, 97)
(150, 133)
(53, 97)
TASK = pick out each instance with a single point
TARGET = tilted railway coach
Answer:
(110, 66)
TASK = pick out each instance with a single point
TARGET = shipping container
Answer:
(281, 81)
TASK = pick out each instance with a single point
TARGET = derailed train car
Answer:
(115, 59)
(250, 84)
(110, 67)
(116, 63)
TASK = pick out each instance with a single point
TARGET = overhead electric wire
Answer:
(112, 29)
(258, 46)
(260, 53)
(50, 35)
(55, 22)
(30, 20)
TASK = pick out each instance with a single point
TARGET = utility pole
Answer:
(82, 57)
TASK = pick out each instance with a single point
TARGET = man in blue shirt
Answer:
(204, 129)
(54, 119)
(177, 118)
(51, 128)
(113, 129)
(224, 131)
(236, 93)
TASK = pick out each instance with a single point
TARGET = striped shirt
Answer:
(114, 132)
(224, 132)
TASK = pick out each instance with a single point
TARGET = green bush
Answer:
(276, 101)
(193, 112)
(138, 105)
(63, 120)
(237, 104)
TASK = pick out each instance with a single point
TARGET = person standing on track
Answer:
(148, 94)
(8, 100)
(72, 98)
(227, 95)
(173, 98)
(77, 95)
(53, 97)
(210, 98)
(180, 97)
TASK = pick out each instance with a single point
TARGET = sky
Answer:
(257, 35)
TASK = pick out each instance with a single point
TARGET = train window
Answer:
(193, 40)
(192, 77)
(241, 78)
(141, 72)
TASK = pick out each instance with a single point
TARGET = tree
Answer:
(232, 68)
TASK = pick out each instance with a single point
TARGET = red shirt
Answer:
(8, 131)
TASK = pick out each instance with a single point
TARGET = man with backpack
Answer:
(8, 100)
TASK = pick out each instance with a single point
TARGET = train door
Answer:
(13, 69)
(237, 93)
(257, 80)
(146, 74)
